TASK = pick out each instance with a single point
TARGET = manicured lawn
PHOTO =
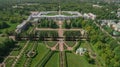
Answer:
(51, 43)
(16, 52)
(23, 57)
(70, 43)
(21, 61)
(41, 50)
(66, 14)
(9, 62)
(74, 60)
(54, 61)
(84, 44)
(52, 14)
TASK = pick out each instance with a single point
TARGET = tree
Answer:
(3, 25)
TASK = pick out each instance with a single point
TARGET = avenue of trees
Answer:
(72, 23)
(48, 33)
(41, 35)
(72, 34)
(45, 23)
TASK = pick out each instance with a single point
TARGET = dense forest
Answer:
(8, 3)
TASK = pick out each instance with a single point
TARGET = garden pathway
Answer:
(22, 51)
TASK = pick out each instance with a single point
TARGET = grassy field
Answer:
(16, 52)
(23, 57)
(51, 43)
(41, 50)
(91, 49)
(9, 62)
(66, 14)
(70, 43)
(52, 14)
(84, 44)
(54, 61)
(74, 60)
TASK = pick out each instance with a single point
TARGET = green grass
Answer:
(87, 45)
(11, 28)
(9, 62)
(41, 50)
(2, 39)
(51, 43)
(56, 13)
(51, 14)
(74, 60)
(101, 62)
(70, 43)
(92, 49)
(84, 44)
(23, 57)
(54, 61)
(21, 61)
(16, 52)
(66, 14)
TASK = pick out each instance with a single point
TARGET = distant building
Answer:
(21, 26)
(118, 12)
(112, 24)
(81, 51)
(92, 16)
(97, 6)
(86, 16)
(89, 16)
(16, 6)
(116, 27)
